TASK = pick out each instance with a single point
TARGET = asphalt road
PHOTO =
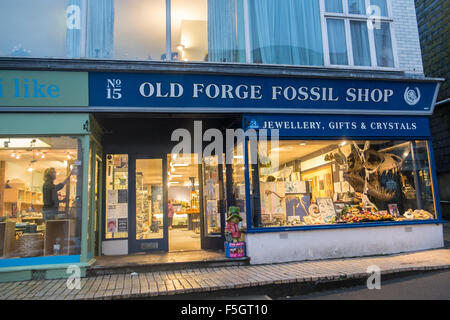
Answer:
(427, 286)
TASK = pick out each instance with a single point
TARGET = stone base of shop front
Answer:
(289, 246)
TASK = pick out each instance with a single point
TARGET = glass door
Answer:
(213, 204)
(148, 220)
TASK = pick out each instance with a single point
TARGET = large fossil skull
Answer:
(361, 162)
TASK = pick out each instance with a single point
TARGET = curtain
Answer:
(222, 31)
(357, 6)
(286, 32)
(100, 30)
(383, 46)
(382, 4)
(337, 42)
(360, 43)
(73, 31)
(334, 6)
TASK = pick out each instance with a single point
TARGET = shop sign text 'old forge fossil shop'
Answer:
(199, 93)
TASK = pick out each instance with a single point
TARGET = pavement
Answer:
(214, 282)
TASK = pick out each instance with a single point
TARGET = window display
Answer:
(338, 182)
(40, 196)
(116, 196)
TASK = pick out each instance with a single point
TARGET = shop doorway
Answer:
(184, 203)
(176, 204)
(148, 220)
(136, 196)
(196, 203)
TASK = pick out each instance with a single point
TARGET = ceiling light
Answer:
(343, 143)
(303, 144)
(23, 143)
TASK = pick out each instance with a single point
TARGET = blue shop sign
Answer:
(224, 93)
(340, 126)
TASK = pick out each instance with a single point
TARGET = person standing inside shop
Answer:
(50, 194)
(170, 213)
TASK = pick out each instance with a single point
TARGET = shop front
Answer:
(159, 200)
(318, 167)
(279, 168)
(341, 186)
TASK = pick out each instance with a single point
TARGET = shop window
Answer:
(358, 33)
(313, 182)
(40, 196)
(116, 218)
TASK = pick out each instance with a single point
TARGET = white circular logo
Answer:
(412, 96)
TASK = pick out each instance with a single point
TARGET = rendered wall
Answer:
(277, 247)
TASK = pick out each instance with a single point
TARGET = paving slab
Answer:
(167, 284)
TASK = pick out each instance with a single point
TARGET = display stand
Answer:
(235, 249)
(7, 238)
(59, 232)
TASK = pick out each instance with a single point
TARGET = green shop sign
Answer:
(43, 89)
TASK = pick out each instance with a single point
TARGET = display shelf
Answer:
(21, 198)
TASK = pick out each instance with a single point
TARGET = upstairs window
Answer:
(295, 32)
(357, 33)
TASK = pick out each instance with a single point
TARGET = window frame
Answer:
(347, 18)
(250, 209)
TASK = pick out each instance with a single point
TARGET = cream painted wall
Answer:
(273, 247)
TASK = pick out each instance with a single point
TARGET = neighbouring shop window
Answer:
(40, 196)
(358, 33)
(317, 182)
(116, 217)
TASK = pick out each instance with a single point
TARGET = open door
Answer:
(148, 202)
(213, 204)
